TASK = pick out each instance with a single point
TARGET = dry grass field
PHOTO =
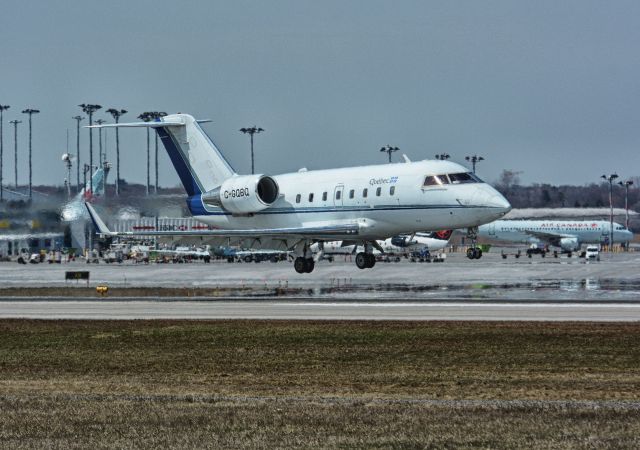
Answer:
(269, 384)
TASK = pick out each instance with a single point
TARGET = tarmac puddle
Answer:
(587, 289)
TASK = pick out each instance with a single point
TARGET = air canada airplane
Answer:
(294, 210)
(569, 235)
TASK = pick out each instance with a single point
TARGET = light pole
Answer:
(443, 156)
(610, 179)
(389, 150)
(3, 108)
(15, 148)
(156, 116)
(77, 119)
(474, 159)
(31, 112)
(100, 156)
(89, 109)
(146, 117)
(66, 158)
(626, 185)
(116, 113)
(251, 131)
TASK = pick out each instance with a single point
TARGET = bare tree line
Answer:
(551, 196)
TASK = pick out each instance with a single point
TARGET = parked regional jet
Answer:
(569, 235)
(294, 210)
(397, 244)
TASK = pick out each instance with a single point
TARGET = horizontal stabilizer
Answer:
(176, 122)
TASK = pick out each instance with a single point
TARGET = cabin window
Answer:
(298, 197)
(311, 197)
(352, 193)
(324, 196)
(392, 190)
(365, 191)
(378, 191)
(338, 195)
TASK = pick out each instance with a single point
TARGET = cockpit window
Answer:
(431, 181)
(459, 178)
(435, 180)
(476, 177)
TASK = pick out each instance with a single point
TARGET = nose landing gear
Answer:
(473, 252)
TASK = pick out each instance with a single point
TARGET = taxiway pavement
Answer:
(310, 310)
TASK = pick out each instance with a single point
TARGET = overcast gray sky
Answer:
(551, 88)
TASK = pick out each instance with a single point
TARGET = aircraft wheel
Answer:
(478, 253)
(471, 253)
(362, 260)
(309, 265)
(371, 260)
(300, 264)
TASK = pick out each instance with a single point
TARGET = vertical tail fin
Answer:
(200, 165)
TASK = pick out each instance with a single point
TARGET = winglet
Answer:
(101, 227)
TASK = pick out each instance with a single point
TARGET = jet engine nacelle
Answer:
(244, 194)
(569, 244)
(403, 241)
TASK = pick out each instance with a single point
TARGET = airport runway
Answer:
(314, 310)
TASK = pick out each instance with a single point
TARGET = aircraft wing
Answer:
(293, 232)
(552, 238)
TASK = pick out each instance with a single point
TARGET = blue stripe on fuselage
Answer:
(189, 183)
(197, 208)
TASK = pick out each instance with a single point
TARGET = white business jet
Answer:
(294, 210)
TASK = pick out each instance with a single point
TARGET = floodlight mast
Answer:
(474, 160)
(89, 109)
(116, 113)
(3, 108)
(389, 150)
(610, 179)
(15, 149)
(626, 185)
(30, 112)
(251, 131)
(156, 116)
(146, 117)
(78, 119)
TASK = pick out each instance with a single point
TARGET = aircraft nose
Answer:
(497, 201)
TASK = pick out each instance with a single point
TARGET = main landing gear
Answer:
(365, 260)
(305, 262)
(473, 252)
(304, 265)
